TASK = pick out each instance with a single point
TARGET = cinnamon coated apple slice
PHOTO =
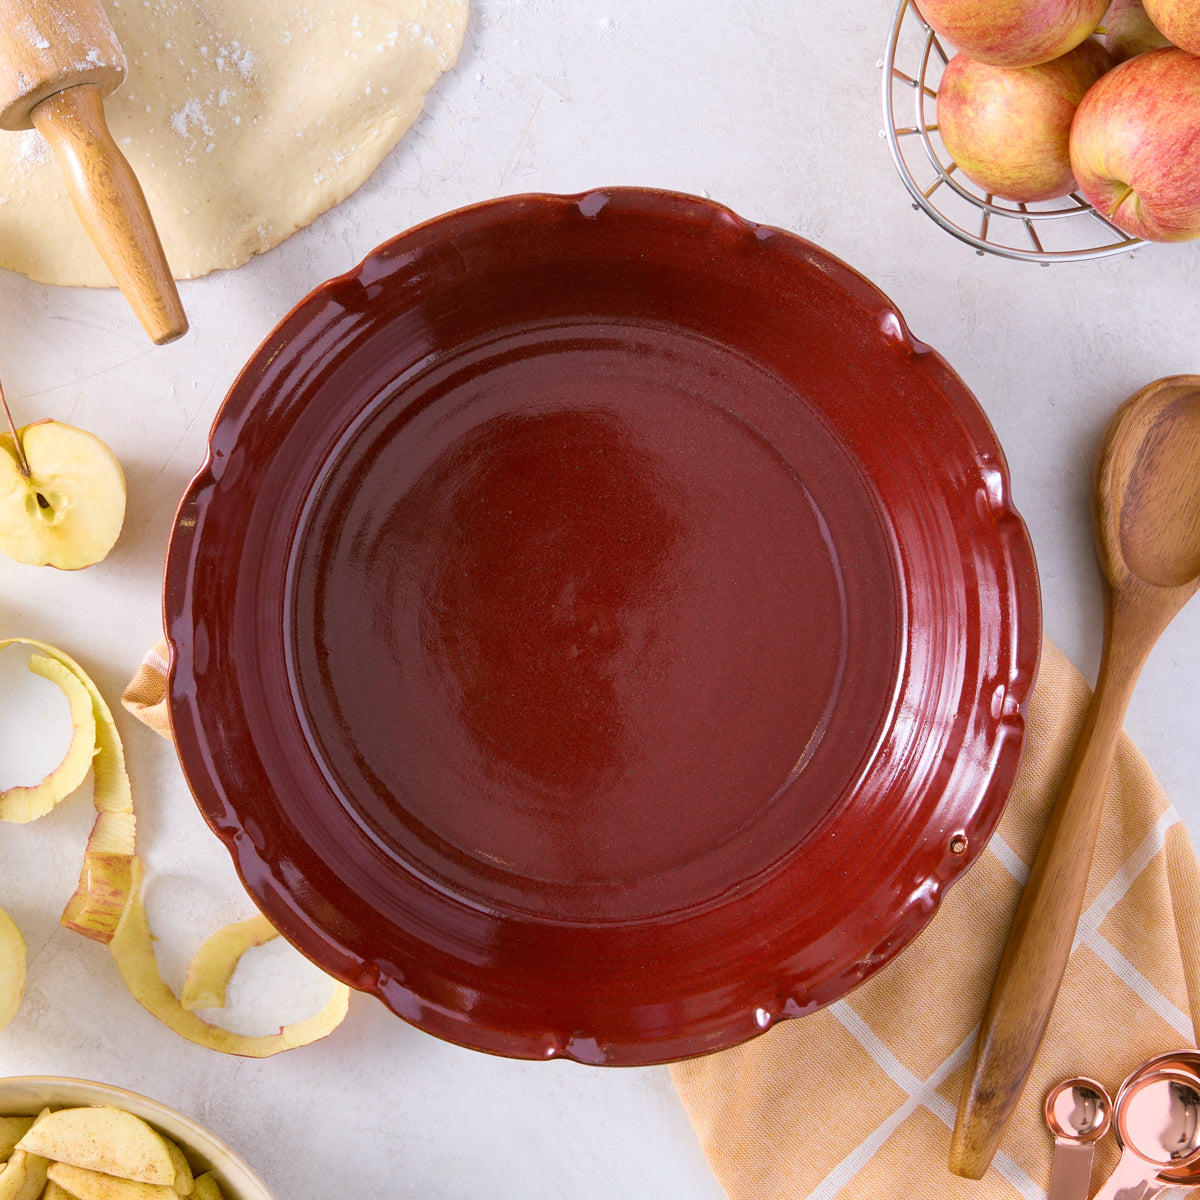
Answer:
(105, 1139)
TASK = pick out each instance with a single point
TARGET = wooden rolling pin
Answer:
(58, 60)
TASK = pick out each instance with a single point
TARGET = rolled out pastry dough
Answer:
(243, 119)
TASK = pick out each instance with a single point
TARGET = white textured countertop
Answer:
(771, 108)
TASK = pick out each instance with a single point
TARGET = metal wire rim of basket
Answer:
(1065, 230)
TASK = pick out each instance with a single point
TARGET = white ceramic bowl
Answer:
(31, 1093)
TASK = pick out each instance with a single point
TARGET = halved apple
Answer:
(12, 969)
(62, 496)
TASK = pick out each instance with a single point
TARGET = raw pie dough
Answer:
(243, 119)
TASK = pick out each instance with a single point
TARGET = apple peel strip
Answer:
(28, 802)
(96, 906)
(133, 948)
(213, 965)
(107, 905)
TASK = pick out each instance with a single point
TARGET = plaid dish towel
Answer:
(857, 1101)
(146, 695)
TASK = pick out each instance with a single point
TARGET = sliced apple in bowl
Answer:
(24, 1177)
(84, 1127)
(103, 1139)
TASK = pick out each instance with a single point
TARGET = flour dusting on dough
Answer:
(243, 119)
(190, 114)
(32, 152)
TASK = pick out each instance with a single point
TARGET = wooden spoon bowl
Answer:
(1146, 514)
(1148, 488)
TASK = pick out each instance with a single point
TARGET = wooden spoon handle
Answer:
(1043, 930)
(112, 207)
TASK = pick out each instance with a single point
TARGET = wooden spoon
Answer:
(1146, 498)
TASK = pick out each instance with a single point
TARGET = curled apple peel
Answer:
(214, 963)
(26, 803)
(95, 744)
(107, 905)
(99, 900)
(133, 948)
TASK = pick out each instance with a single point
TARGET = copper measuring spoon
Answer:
(1146, 517)
(1158, 1120)
(1079, 1113)
(1182, 1062)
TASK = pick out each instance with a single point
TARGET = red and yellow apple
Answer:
(1008, 128)
(1178, 21)
(1135, 146)
(1013, 33)
(1128, 31)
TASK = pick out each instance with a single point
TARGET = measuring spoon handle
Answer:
(1071, 1172)
(1128, 1181)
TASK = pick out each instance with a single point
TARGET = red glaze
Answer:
(594, 622)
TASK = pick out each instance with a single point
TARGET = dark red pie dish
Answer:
(599, 629)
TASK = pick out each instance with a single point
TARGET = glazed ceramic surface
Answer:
(599, 629)
(29, 1094)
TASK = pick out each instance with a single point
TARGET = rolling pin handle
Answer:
(112, 207)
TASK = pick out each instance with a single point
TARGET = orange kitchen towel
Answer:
(857, 1101)
(146, 695)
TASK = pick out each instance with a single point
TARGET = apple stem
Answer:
(1112, 208)
(22, 461)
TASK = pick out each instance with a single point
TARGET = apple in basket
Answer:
(1135, 146)
(1129, 31)
(1178, 20)
(1014, 33)
(1008, 128)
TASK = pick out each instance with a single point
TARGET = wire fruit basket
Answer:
(1064, 230)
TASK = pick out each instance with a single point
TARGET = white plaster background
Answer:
(770, 107)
